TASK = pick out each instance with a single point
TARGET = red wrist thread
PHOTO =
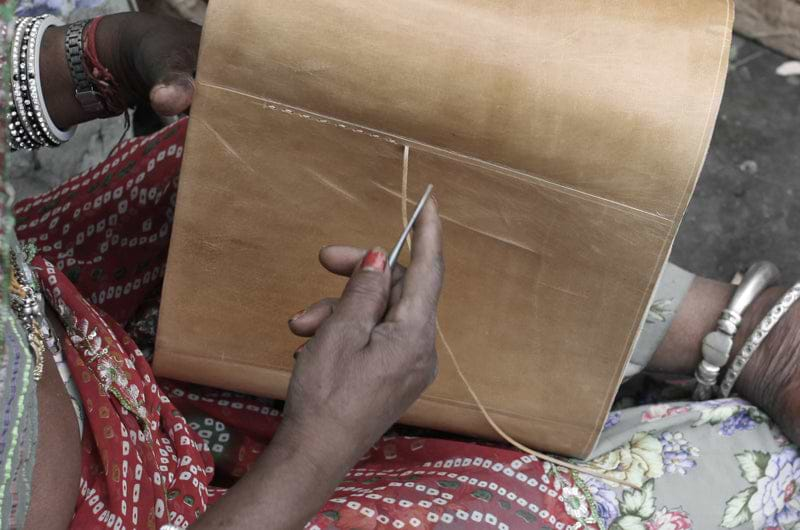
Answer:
(102, 77)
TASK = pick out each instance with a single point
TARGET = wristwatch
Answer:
(85, 90)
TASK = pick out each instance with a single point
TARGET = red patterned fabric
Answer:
(102, 239)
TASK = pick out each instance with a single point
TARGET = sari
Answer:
(159, 452)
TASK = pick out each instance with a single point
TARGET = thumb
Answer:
(173, 94)
(366, 296)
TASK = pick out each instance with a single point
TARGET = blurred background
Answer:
(747, 202)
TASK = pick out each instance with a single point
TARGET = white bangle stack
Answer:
(29, 123)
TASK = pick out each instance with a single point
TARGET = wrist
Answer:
(57, 88)
(772, 366)
(116, 50)
(771, 380)
(332, 454)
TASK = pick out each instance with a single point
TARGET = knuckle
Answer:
(345, 333)
(368, 287)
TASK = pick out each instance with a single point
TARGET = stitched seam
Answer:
(529, 178)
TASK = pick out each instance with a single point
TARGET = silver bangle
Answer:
(54, 134)
(718, 344)
(756, 338)
(21, 128)
(29, 123)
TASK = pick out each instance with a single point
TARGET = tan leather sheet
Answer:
(563, 140)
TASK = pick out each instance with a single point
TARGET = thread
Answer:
(507, 437)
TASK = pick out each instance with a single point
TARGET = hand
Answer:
(373, 351)
(153, 58)
(372, 354)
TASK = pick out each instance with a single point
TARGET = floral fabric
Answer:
(102, 239)
(715, 464)
(32, 8)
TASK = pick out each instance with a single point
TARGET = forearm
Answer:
(697, 315)
(286, 487)
(680, 351)
(57, 84)
(59, 94)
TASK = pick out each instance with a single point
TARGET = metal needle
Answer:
(399, 246)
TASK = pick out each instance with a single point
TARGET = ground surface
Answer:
(746, 206)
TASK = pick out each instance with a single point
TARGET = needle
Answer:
(399, 246)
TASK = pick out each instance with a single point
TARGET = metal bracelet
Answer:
(718, 344)
(85, 91)
(31, 43)
(20, 127)
(29, 124)
(55, 135)
(756, 338)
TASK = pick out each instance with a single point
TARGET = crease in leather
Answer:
(449, 219)
(499, 430)
(441, 151)
(228, 147)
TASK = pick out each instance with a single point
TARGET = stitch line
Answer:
(394, 139)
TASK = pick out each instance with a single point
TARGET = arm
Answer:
(771, 380)
(288, 484)
(152, 58)
(370, 357)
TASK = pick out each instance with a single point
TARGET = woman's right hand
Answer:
(373, 350)
(371, 355)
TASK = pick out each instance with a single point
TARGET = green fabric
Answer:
(18, 406)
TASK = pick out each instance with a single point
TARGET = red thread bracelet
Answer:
(102, 77)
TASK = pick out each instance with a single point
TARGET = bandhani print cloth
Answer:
(151, 449)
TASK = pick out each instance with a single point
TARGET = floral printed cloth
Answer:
(30, 8)
(715, 464)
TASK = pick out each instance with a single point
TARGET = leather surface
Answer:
(563, 140)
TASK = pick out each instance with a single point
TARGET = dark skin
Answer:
(376, 341)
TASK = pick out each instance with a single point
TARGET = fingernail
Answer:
(435, 201)
(298, 315)
(161, 90)
(375, 260)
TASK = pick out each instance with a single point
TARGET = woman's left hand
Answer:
(154, 58)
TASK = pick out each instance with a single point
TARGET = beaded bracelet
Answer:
(27, 71)
(29, 123)
(20, 128)
(756, 338)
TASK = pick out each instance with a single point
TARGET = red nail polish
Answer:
(375, 260)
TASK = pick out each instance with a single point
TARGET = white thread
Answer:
(475, 398)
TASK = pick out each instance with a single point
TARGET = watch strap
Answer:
(86, 93)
